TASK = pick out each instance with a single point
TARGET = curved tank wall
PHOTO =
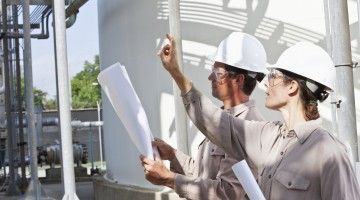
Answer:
(131, 32)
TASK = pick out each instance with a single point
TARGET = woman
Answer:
(297, 159)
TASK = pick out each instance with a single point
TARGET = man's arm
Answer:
(168, 58)
(179, 162)
(224, 186)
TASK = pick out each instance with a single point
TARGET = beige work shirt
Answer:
(304, 163)
(210, 176)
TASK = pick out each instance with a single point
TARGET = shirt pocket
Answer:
(292, 181)
(216, 151)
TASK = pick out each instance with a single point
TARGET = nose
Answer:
(266, 83)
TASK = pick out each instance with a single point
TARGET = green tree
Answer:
(40, 97)
(84, 92)
(49, 104)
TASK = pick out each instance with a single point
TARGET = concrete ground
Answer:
(84, 191)
(53, 190)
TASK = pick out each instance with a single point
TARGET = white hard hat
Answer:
(242, 51)
(310, 61)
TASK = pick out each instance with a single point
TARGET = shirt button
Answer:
(269, 176)
(283, 137)
(281, 153)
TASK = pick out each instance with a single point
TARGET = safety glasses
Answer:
(220, 73)
(275, 77)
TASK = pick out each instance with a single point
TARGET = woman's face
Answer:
(276, 90)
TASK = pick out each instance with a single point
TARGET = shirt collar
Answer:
(302, 130)
(238, 109)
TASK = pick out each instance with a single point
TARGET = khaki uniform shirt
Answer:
(304, 163)
(211, 176)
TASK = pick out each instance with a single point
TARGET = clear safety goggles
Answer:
(275, 77)
(220, 73)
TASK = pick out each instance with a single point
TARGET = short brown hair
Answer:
(249, 82)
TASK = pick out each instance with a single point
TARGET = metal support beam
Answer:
(180, 113)
(12, 188)
(20, 26)
(64, 101)
(19, 104)
(32, 2)
(29, 100)
(341, 54)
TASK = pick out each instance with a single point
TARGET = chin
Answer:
(270, 106)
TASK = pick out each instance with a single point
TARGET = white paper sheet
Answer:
(116, 83)
(247, 180)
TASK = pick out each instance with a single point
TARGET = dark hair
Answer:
(249, 82)
(308, 99)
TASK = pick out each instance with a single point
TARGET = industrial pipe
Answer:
(180, 113)
(64, 101)
(12, 188)
(341, 54)
(29, 98)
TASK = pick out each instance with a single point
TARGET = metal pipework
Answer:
(180, 113)
(19, 103)
(29, 99)
(50, 154)
(341, 53)
(12, 189)
(64, 101)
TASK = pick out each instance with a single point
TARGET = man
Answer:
(239, 62)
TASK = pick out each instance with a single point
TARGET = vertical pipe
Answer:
(12, 94)
(91, 149)
(12, 189)
(29, 98)
(100, 133)
(57, 92)
(358, 39)
(180, 113)
(19, 102)
(341, 54)
(64, 101)
(333, 100)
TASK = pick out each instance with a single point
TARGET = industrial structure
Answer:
(131, 32)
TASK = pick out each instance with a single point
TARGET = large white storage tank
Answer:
(131, 32)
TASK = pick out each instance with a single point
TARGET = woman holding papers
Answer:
(296, 159)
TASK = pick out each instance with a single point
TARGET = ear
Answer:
(239, 79)
(293, 88)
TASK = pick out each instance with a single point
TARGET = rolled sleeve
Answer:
(182, 164)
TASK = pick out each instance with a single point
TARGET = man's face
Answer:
(221, 82)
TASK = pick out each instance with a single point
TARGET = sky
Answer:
(82, 44)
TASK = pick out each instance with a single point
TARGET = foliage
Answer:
(49, 104)
(40, 97)
(84, 88)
